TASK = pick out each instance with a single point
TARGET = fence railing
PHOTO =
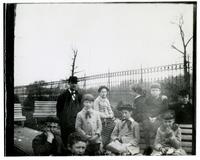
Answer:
(120, 82)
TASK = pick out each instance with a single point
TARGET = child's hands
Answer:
(169, 132)
(163, 97)
(87, 137)
(152, 119)
(50, 137)
(163, 150)
(93, 138)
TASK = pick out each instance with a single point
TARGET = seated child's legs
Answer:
(179, 152)
(93, 149)
(149, 133)
(156, 153)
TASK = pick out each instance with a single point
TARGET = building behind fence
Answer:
(120, 82)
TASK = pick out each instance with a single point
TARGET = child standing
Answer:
(125, 136)
(102, 105)
(168, 137)
(155, 106)
(88, 125)
(138, 102)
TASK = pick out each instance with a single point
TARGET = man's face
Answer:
(88, 104)
(73, 86)
(126, 114)
(103, 93)
(78, 148)
(155, 92)
(184, 99)
(168, 123)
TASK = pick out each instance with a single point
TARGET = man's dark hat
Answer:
(73, 79)
(125, 107)
(102, 87)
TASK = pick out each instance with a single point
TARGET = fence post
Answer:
(109, 83)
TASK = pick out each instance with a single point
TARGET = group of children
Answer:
(161, 133)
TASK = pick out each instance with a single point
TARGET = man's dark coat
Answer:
(67, 110)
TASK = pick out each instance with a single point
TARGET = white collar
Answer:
(71, 91)
(137, 96)
(131, 119)
(103, 99)
(90, 110)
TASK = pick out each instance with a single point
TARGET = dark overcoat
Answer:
(41, 147)
(67, 110)
(184, 113)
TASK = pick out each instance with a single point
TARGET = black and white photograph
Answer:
(100, 78)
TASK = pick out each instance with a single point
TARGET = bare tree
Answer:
(75, 52)
(184, 51)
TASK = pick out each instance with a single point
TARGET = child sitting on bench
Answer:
(168, 137)
(125, 136)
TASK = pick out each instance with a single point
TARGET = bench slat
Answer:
(186, 137)
(41, 114)
(44, 109)
(186, 131)
(18, 116)
(186, 126)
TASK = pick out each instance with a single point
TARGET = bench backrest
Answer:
(17, 110)
(44, 109)
(186, 131)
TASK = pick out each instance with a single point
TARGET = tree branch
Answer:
(182, 36)
(177, 49)
(188, 41)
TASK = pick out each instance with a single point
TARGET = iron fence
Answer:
(119, 82)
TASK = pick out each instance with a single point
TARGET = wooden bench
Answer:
(18, 113)
(44, 109)
(186, 132)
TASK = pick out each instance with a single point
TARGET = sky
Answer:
(108, 37)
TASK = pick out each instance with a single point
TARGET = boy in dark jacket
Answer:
(183, 109)
(49, 142)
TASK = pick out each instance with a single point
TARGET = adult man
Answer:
(68, 105)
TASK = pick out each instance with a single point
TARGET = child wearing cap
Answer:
(155, 105)
(88, 125)
(168, 137)
(125, 136)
